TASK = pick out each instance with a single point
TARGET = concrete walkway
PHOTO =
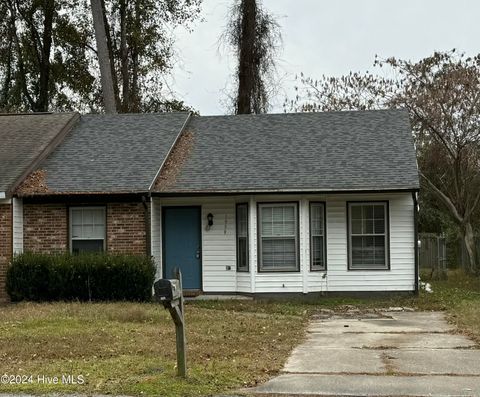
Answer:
(380, 354)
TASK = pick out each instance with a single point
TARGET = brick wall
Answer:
(5, 246)
(126, 231)
(46, 228)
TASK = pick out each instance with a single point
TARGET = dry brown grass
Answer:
(128, 348)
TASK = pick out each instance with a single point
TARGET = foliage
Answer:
(254, 35)
(48, 59)
(85, 277)
(441, 93)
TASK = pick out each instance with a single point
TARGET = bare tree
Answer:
(255, 36)
(104, 60)
(442, 95)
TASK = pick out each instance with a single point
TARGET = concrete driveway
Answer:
(380, 354)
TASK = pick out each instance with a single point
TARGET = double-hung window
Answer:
(317, 237)
(278, 237)
(87, 229)
(242, 237)
(368, 236)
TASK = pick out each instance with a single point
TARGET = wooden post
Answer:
(177, 313)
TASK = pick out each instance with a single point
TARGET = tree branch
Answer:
(444, 198)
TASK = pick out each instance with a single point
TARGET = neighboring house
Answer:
(25, 140)
(254, 204)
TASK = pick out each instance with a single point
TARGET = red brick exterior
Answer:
(126, 228)
(6, 228)
(46, 227)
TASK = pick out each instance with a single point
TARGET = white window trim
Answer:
(260, 245)
(321, 204)
(386, 234)
(70, 226)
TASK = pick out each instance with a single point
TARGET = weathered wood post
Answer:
(170, 294)
(180, 330)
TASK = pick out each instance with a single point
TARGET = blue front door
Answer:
(182, 244)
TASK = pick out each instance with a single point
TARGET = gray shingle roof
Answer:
(334, 151)
(112, 153)
(23, 139)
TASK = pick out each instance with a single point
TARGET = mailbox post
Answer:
(170, 294)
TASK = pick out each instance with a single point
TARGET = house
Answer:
(25, 140)
(252, 204)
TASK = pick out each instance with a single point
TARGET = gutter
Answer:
(415, 235)
(279, 191)
(187, 120)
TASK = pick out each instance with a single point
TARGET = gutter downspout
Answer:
(415, 234)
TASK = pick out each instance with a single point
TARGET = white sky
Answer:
(324, 37)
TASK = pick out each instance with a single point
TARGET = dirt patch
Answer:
(174, 163)
(34, 183)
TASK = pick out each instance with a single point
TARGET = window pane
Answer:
(379, 251)
(242, 220)
(278, 237)
(278, 254)
(242, 240)
(379, 211)
(316, 219)
(88, 223)
(356, 212)
(76, 231)
(367, 211)
(87, 246)
(267, 226)
(76, 217)
(379, 226)
(317, 252)
(356, 226)
(368, 226)
(242, 253)
(368, 236)
(357, 251)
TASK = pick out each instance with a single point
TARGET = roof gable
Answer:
(119, 153)
(25, 140)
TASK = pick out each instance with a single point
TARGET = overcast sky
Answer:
(324, 37)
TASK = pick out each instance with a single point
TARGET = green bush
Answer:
(84, 277)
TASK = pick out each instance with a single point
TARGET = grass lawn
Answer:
(128, 348)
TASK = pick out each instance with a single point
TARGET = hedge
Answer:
(84, 277)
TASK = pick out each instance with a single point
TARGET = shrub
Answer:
(99, 277)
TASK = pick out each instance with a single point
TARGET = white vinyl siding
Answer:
(219, 246)
(87, 229)
(17, 225)
(278, 237)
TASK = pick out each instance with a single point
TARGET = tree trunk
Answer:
(111, 56)
(43, 97)
(124, 56)
(469, 239)
(104, 60)
(246, 71)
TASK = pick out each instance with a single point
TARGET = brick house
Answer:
(253, 204)
(25, 141)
